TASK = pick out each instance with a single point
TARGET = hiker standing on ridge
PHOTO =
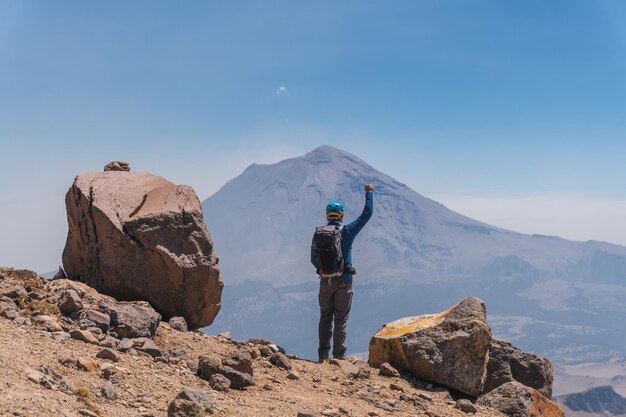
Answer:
(331, 255)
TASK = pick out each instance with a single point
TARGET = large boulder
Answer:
(507, 363)
(518, 400)
(137, 236)
(449, 348)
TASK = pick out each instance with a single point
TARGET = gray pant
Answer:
(335, 299)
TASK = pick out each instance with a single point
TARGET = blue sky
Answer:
(480, 104)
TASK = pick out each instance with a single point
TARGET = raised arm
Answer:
(353, 228)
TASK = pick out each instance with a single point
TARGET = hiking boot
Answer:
(322, 358)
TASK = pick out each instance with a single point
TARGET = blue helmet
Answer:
(334, 209)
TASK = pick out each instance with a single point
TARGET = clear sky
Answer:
(512, 112)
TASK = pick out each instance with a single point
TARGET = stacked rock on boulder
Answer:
(449, 348)
(507, 363)
(518, 400)
(137, 236)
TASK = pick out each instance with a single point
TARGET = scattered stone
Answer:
(507, 363)
(24, 274)
(125, 345)
(238, 380)
(268, 387)
(49, 323)
(87, 364)
(518, 400)
(331, 412)
(12, 290)
(219, 383)
(303, 414)
(265, 351)
(190, 402)
(110, 342)
(395, 387)
(8, 308)
(85, 412)
(117, 166)
(108, 391)
(61, 336)
(209, 366)
(347, 367)
(293, 375)
(99, 319)
(415, 400)
(143, 344)
(131, 319)
(151, 228)
(240, 361)
(449, 348)
(23, 321)
(108, 354)
(69, 302)
(226, 335)
(466, 406)
(178, 323)
(83, 336)
(280, 360)
(388, 370)
(254, 352)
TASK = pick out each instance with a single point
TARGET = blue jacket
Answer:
(349, 232)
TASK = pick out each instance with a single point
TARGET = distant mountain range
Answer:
(545, 294)
(598, 401)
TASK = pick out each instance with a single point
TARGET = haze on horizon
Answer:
(513, 114)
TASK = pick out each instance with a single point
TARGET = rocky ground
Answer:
(48, 371)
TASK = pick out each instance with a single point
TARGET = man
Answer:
(335, 295)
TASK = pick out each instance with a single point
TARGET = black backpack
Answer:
(327, 250)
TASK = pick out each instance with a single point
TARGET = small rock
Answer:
(108, 354)
(255, 353)
(178, 323)
(87, 413)
(317, 379)
(84, 336)
(13, 291)
(61, 336)
(190, 402)
(293, 375)
(108, 391)
(303, 414)
(331, 412)
(86, 364)
(125, 344)
(219, 383)
(8, 308)
(69, 302)
(268, 387)
(240, 361)
(347, 367)
(396, 387)
(265, 351)
(280, 360)
(226, 335)
(99, 319)
(117, 166)
(109, 342)
(146, 345)
(466, 406)
(22, 321)
(388, 370)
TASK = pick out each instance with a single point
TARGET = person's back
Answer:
(335, 294)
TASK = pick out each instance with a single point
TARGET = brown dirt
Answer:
(148, 386)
